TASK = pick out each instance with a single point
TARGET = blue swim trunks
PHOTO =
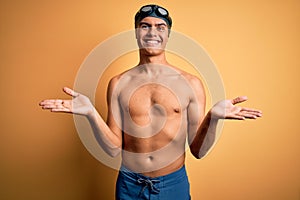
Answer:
(134, 186)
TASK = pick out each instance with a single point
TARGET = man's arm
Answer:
(108, 137)
(202, 138)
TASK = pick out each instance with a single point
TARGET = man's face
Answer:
(152, 35)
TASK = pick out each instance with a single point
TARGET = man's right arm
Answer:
(108, 135)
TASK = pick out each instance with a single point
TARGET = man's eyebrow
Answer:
(159, 24)
(144, 23)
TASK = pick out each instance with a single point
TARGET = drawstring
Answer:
(150, 184)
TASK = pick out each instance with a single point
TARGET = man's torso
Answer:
(154, 119)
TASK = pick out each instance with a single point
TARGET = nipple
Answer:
(150, 158)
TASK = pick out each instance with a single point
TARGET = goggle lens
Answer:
(146, 9)
(162, 11)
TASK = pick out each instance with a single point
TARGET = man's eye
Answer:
(144, 27)
(161, 28)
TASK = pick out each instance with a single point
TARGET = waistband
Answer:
(169, 179)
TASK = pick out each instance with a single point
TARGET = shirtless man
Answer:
(153, 109)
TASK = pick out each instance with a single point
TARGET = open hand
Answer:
(227, 109)
(80, 104)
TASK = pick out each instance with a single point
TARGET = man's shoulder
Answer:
(194, 81)
(126, 75)
(191, 78)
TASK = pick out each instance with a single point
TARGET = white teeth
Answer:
(152, 42)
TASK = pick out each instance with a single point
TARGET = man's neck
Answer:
(153, 66)
(155, 59)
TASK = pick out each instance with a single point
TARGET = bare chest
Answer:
(154, 99)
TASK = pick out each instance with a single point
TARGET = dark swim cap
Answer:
(153, 11)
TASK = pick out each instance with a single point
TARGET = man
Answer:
(153, 108)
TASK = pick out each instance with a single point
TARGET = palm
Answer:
(80, 104)
(227, 109)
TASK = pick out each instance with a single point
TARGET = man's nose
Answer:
(152, 31)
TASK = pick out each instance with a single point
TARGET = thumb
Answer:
(70, 92)
(239, 99)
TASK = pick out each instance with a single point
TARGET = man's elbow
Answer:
(195, 154)
(113, 152)
(198, 154)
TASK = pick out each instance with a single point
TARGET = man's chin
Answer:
(153, 50)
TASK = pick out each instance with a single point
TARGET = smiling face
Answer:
(152, 36)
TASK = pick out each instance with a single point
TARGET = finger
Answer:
(236, 116)
(44, 102)
(52, 105)
(239, 99)
(60, 110)
(252, 115)
(51, 101)
(249, 116)
(251, 110)
(58, 102)
(244, 115)
(47, 102)
(70, 92)
(56, 108)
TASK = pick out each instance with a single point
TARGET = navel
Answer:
(176, 110)
(150, 158)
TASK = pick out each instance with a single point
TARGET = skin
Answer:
(153, 108)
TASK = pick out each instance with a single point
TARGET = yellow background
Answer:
(255, 45)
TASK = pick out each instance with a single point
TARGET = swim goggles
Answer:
(153, 11)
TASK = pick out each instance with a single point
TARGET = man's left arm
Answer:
(202, 129)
